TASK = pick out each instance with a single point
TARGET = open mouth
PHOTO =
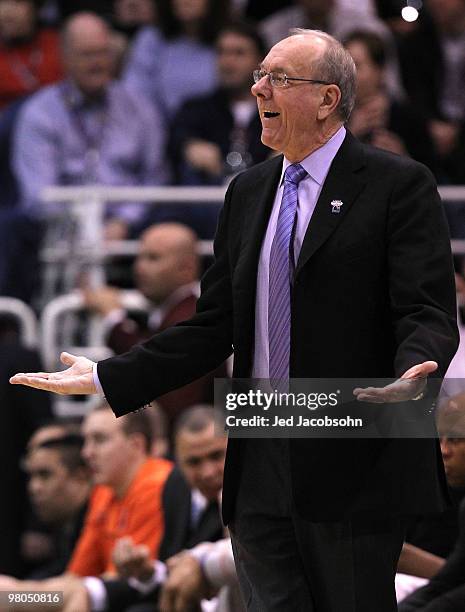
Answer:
(270, 115)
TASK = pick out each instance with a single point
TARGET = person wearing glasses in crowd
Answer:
(332, 260)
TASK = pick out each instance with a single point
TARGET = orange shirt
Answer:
(27, 67)
(138, 514)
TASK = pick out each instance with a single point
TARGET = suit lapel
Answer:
(341, 184)
(256, 221)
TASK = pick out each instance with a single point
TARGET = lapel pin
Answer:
(336, 206)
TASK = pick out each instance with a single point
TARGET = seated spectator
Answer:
(432, 61)
(218, 135)
(191, 507)
(176, 60)
(166, 272)
(87, 129)
(37, 545)
(59, 488)
(377, 118)
(29, 56)
(126, 500)
(445, 592)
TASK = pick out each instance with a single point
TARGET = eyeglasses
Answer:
(280, 79)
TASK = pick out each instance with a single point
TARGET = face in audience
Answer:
(54, 490)
(238, 57)
(451, 428)
(200, 456)
(17, 19)
(188, 11)
(369, 75)
(109, 452)
(166, 260)
(87, 53)
(47, 432)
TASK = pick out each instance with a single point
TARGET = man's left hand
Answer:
(409, 386)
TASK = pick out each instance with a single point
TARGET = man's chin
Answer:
(268, 140)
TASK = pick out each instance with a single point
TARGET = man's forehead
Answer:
(100, 419)
(199, 443)
(293, 51)
(42, 457)
(451, 423)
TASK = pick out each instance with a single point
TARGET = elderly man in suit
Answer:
(332, 260)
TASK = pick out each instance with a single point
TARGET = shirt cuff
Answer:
(96, 379)
(97, 593)
(147, 586)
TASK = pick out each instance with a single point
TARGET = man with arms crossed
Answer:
(316, 524)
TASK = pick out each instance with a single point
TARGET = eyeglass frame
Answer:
(258, 76)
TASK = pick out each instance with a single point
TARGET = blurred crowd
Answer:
(120, 514)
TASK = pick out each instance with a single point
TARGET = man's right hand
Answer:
(76, 380)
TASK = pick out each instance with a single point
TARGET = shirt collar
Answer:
(158, 314)
(76, 99)
(318, 163)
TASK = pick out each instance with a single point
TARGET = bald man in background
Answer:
(166, 273)
(87, 129)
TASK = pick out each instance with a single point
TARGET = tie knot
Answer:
(295, 173)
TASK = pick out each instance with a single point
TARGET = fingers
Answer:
(37, 382)
(421, 370)
(20, 378)
(68, 359)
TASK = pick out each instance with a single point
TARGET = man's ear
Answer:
(330, 101)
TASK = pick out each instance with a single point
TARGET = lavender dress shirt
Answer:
(317, 165)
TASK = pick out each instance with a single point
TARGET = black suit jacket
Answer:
(445, 592)
(373, 295)
(177, 536)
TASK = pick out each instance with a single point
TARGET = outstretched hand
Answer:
(76, 380)
(409, 386)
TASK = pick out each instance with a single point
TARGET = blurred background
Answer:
(121, 124)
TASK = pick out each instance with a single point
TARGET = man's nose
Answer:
(262, 88)
(445, 447)
(208, 470)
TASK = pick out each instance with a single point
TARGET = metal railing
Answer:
(25, 317)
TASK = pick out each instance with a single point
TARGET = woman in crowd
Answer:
(176, 60)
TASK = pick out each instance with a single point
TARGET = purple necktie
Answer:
(280, 275)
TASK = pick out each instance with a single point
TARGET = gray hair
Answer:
(334, 66)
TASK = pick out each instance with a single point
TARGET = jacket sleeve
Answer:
(182, 353)
(421, 279)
